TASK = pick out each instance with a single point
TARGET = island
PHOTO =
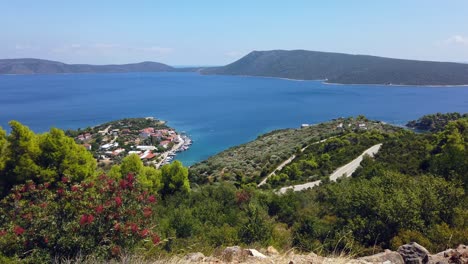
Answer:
(342, 68)
(39, 66)
(151, 139)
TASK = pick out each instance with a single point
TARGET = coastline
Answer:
(324, 81)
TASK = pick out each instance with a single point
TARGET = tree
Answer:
(175, 178)
(61, 156)
(3, 142)
(19, 157)
(150, 178)
(131, 164)
(41, 158)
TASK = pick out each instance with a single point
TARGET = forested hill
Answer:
(344, 68)
(38, 66)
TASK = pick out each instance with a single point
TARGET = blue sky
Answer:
(201, 32)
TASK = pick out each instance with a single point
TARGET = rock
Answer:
(195, 257)
(271, 251)
(413, 253)
(458, 255)
(232, 253)
(255, 253)
(387, 257)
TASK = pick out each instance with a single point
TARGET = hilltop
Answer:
(344, 68)
(39, 66)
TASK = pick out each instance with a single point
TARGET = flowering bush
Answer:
(104, 217)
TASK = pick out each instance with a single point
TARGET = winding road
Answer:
(286, 162)
(345, 170)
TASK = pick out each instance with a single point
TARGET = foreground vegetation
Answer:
(415, 189)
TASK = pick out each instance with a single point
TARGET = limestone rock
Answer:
(232, 253)
(195, 257)
(413, 253)
(255, 253)
(387, 257)
(271, 251)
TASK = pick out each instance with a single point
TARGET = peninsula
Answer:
(344, 68)
(149, 138)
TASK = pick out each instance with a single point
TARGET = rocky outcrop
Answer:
(411, 253)
(387, 257)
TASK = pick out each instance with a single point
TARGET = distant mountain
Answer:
(38, 66)
(344, 68)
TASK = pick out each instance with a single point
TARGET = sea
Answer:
(216, 111)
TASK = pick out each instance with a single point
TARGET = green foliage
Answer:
(435, 122)
(174, 179)
(131, 164)
(41, 158)
(148, 177)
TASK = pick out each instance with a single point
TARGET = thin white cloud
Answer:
(457, 39)
(25, 47)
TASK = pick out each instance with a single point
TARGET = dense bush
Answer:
(104, 217)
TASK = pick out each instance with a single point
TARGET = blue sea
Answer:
(216, 111)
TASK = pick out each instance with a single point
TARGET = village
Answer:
(151, 139)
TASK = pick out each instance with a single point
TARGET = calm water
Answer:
(216, 111)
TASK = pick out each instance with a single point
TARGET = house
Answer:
(87, 146)
(304, 125)
(340, 125)
(146, 132)
(134, 152)
(147, 155)
(146, 147)
(84, 137)
(109, 145)
(164, 143)
(118, 151)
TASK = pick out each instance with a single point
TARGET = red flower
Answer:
(123, 184)
(43, 205)
(130, 178)
(144, 233)
(152, 199)
(46, 185)
(18, 230)
(86, 219)
(2, 233)
(117, 227)
(90, 219)
(74, 188)
(147, 212)
(118, 201)
(65, 179)
(60, 191)
(83, 219)
(156, 239)
(99, 209)
(115, 250)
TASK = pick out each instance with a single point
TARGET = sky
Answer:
(202, 32)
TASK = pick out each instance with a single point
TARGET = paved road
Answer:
(286, 162)
(347, 169)
(351, 167)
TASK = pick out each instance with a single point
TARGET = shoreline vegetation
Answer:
(56, 204)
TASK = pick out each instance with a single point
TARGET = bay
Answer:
(216, 111)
